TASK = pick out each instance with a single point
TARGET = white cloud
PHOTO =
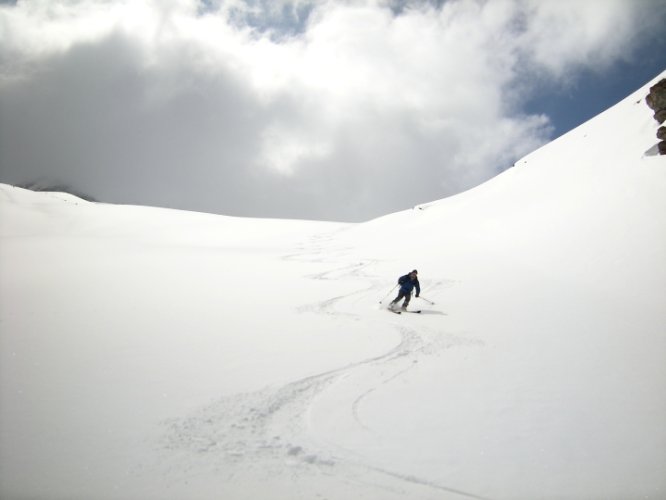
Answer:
(283, 148)
(568, 32)
(344, 109)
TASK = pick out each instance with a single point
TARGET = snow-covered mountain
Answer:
(150, 353)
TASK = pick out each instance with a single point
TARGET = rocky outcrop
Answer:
(660, 115)
(656, 99)
(661, 133)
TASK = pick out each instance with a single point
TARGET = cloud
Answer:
(309, 109)
(562, 35)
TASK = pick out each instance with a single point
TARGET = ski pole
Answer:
(428, 301)
(388, 294)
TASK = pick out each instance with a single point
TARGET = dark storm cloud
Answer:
(98, 113)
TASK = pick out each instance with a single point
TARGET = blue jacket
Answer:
(407, 285)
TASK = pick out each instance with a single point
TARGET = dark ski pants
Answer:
(402, 294)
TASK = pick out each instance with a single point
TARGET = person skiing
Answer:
(407, 283)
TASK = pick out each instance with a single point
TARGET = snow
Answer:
(151, 353)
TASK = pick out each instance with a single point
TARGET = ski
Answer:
(403, 311)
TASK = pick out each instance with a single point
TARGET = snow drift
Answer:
(150, 353)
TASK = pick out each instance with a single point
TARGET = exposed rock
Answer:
(660, 116)
(656, 99)
(661, 133)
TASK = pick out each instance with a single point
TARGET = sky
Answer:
(309, 109)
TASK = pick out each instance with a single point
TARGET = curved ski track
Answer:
(265, 433)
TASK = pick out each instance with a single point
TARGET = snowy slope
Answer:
(149, 353)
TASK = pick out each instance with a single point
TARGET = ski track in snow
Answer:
(266, 432)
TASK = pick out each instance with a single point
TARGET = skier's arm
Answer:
(418, 288)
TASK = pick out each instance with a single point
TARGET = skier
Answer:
(407, 283)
